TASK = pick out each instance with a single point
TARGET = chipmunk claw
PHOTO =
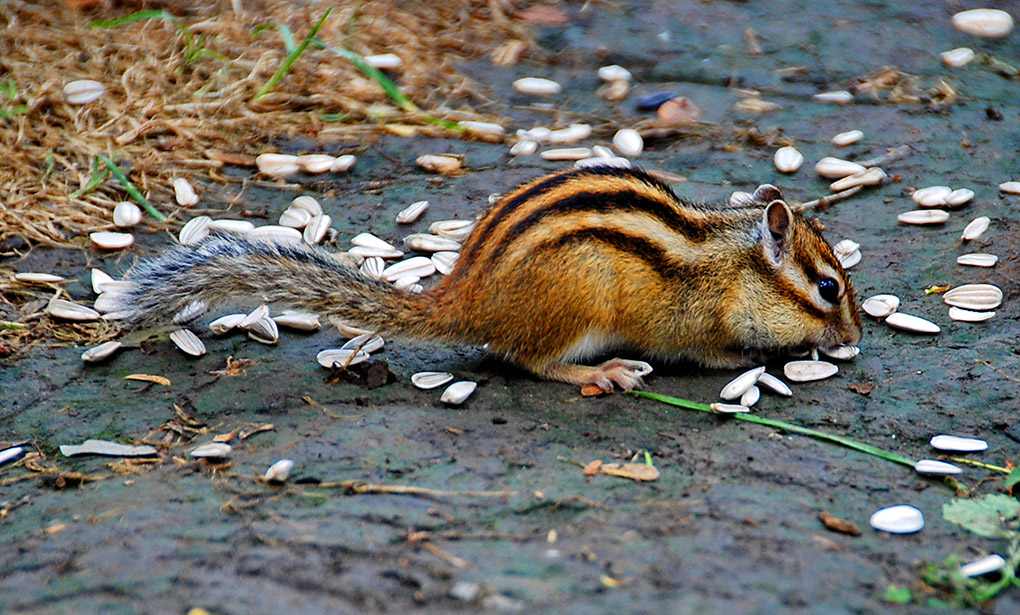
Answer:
(621, 372)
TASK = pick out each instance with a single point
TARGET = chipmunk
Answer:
(561, 269)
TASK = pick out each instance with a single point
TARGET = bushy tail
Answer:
(289, 274)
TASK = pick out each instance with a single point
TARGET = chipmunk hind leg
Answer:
(620, 372)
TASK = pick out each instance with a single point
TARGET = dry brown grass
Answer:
(176, 92)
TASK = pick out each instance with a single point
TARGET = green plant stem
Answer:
(131, 190)
(750, 418)
(979, 464)
(291, 58)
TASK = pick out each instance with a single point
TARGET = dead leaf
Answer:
(591, 390)
(636, 471)
(593, 467)
(863, 388)
(836, 524)
(148, 378)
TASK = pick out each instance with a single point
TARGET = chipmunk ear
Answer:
(766, 193)
(776, 224)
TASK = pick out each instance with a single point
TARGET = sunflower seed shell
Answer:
(847, 138)
(945, 442)
(212, 450)
(295, 218)
(308, 204)
(987, 23)
(750, 397)
(836, 168)
(366, 342)
(421, 266)
(336, 357)
(83, 91)
(194, 231)
(302, 321)
(458, 392)
(445, 261)
(67, 310)
(729, 408)
(880, 306)
(807, 371)
(901, 519)
(974, 297)
(977, 259)
(274, 233)
(739, 385)
(112, 241)
(787, 159)
(101, 352)
(224, 324)
(775, 384)
(932, 466)
(317, 228)
(421, 242)
(279, 471)
(923, 216)
(628, 142)
(430, 380)
(537, 86)
(932, 196)
(914, 324)
(987, 564)
(961, 56)
(412, 212)
(316, 163)
(277, 165)
(976, 228)
(184, 192)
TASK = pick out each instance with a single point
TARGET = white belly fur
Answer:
(591, 344)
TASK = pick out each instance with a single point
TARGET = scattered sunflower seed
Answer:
(986, 564)
(264, 330)
(847, 138)
(126, 213)
(194, 231)
(955, 443)
(373, 267)
(1010, 187)
(99, 280)
(974, 297)
(302, 321)
(914, 324)
(316, 229)
(421, 242)
(315, 163)
(777, 385)
(932, 196)
(275, 234)
(570, 134)
(10, 454)
(739, 385)
(614, 161)
(430, 380)
(628, 142)
(840, 97)
(959, 197)
(67, 310)
(750, 397)
(343, 163)
(537, 86)
(923, 216)
(277, 165)
(188, 313)
(836, 168)
(188, 342)
(524, 147)
(845, 247)
(421, 266)
(445, 261)
(308, 204)
(100, 352)
(412, 212)
(279, 471)
(566, 153)
(788, 159)
(614, 72)
(295, 218)
(184, 192)
(729, 408)
(83, 91)
(458, 392)
(961, 315)
(106, 448)
(482, 128)
(987, 23)
(336, 357)
(224, 324)
(112, 241)
(842, 352)
(738, 198)
(976, 228)
(440, 163)
(880, 306)
(851, 259)
(108, 301)
(807, 371)
(977, 259)
(213, 450)
(366, 342)
(900, 519)
(932, 466)
(37, 278)
(961, 56)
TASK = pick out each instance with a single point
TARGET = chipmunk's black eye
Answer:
(829, 290)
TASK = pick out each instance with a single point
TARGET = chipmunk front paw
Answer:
(622, 372)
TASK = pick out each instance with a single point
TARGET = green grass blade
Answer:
(98, 175)
(291, 58)
(139, 16)
(131, 190)
(288, 37)
(790, 427)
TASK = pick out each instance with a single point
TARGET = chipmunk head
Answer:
(801, 297)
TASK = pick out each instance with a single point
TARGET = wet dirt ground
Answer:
(732, 523)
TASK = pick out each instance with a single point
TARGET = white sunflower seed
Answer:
(100, 352)
(989, 563)
(277, 165)
(406, 282)
(112, 241)
(37, 278)
(67, 310)
(295, 218)
(841, 97)
(482, 128)
(126, 213)
(945, 442)
(870, 177)
(914, 324)
(445, 261)
(961, 56)
(537, 86)
(615, 162)
(570, 134)
(212, 450)
(10, 454)
(254, 316)
(373, 267)
(194, 231)
(614, 72)
(263, 330)
(881, 306)
(974, 297)
(184, 192)
(977, 259)
(239, 227)
(538, 133)
(412, 212)
(383, 61)
(847, 138)
(614, 91)
(421, 242)
(83, 91)
(366, 342)
(368, 240)
(601, 151)
(109, 301)
(807, 371)
(416, 289)
(566, 153)
(738, 198)
(457, 230)
(777, 385)
(750, 397)
(729, 408)
(932, 466)
(99, 280)
(841, 352)
(317, 228)
(900, 519)
(421, 266)
(851, 259)
(959, 197)
(275, 234)
(225, 324)
(837, 168)
(343, 163)
(458, 392)
(739, 385)
(440, 163)
(188, 342)
(188, 313)
(1010, 187)
(987, 23)
(106, 448)
(308, 204)
(348, 331)
(335, 357)
(365, 253)
(976, 228)
(315, 163)
(430, 380)
(279, 471)
(932, 196)
(628, 142)
(845, 248)
(524, 147)
(956, 313)
(302, 321)
(923, 216)
(787, 159)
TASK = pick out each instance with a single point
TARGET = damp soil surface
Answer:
(399, 504)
